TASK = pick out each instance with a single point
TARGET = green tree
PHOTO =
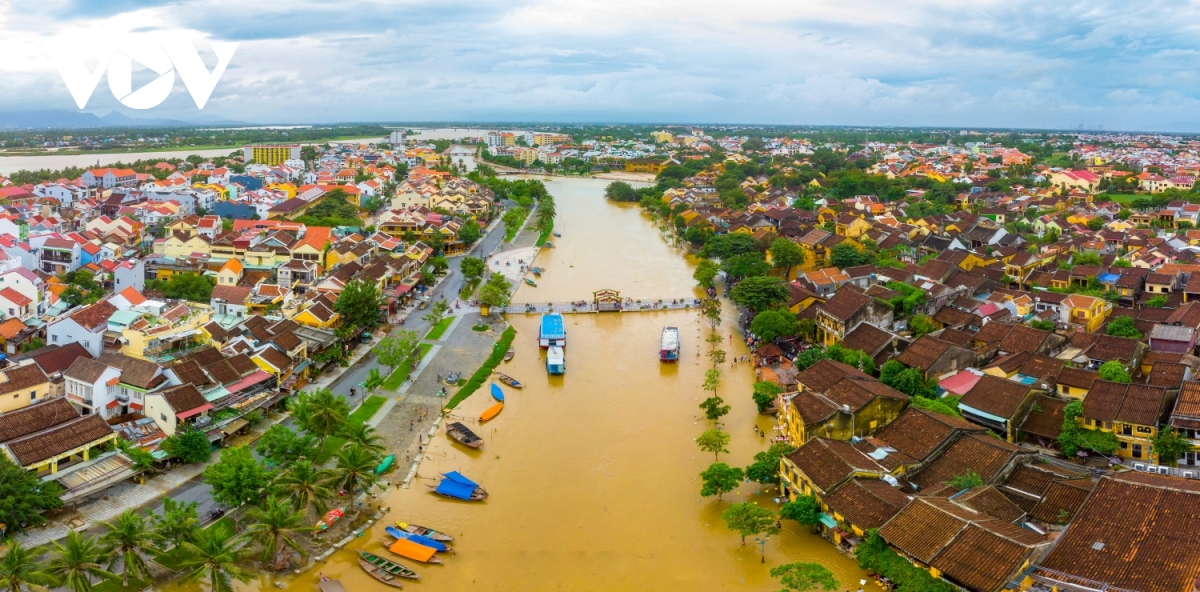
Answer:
(178, 523)
(714, 406)
(765, 468)
(806, 510)
(495, 293)
(910, 381)
(280, 446)
(437, 312)
(1042, 325)
(773, 324)
(921, 325)
(765, 393)
(22, 570)
(706, 273)
(274, 526)
(323, 412)
(77, 562)
(363, 435)
(305, 484)
(808, 357)
(1170, 445)
(374, 380)
(214, 557)
(188, 445)
(714, 441)
(1123, 327)
(719, 479)
(761, 293)
(728, 245)
(355, 468)
(1114, 371)
(1072, 438)
(749, 519)
(710, 309)
(845, 255)
(621, 191)
(398, 349)
(469, 233)
(127, 543)
(965, 480)
(472, 268)
(360, 304)
(802, 577)
(24, 498)
(1157, 301)
(745, 265)
(237, 478)
(786, 255)
(187, 286)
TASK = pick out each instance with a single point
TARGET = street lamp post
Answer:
(762, 543)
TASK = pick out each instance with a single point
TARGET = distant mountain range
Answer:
(79, 119)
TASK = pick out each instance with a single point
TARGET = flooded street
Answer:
(593, 476)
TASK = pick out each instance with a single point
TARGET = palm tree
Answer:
(178, 523)
(355, 468)
(326, 412)
(127, 541)
(214, 556)
(305, 485)
(273, 526)
(21, 571)
(75, 563)
(363, 435)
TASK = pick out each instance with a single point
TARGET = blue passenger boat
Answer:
(553, 331)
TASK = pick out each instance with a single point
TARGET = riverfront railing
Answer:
(583, 306)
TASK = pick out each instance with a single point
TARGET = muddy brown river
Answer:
(593, 476)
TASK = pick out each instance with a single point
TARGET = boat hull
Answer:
(423, 531)
(492, 412)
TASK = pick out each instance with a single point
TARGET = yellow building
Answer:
(1076, 382)
(1130, 412)
(270, 154)
(52, 432)
(1086, 311)
(230, 273)
(178, 246)
(644, 165)
(22, 386)
(180, 328)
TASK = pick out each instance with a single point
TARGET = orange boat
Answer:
(492, 411)
(411, 550)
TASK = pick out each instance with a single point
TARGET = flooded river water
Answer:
(593, 476)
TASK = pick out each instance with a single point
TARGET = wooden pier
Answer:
(603, 301)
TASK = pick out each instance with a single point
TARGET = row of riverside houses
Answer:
(1010, 331)
(94, 352)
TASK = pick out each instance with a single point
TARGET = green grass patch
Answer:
(437, 330)
(1121, 198)
(334, 443)
(468, 290)
(477, 379)
(545, 235)
(480, 328)
(397, 377)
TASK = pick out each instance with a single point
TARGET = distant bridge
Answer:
(604, 301)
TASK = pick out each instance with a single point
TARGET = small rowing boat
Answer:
(510, 381)
(497, 394)
(530, 282)
(385, 464)
(396, 533)
(383, 570)
(558, 234)
(455, 485)
(491, 412)
(508, 355)
(463, 435)
(411, 550)
(330, 585)
(423, 531)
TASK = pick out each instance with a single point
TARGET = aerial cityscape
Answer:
(462, 297)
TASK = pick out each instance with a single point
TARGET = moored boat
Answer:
(668, 349)
(553, 330)
(380, 568)
(411, 550)
(463, 435)
(510, 381)
(385, 464)
(497, 394)
(456, 486)
(491, 412)
(530, 282)
(508, 355)
(396, 533)
(558, 234)
(423, 531)
(328, 584)
(556, 361)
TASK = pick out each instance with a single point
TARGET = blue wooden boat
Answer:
(455, 485)
(497, 394)
(418, 539)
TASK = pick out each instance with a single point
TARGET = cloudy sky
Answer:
(1008, 63)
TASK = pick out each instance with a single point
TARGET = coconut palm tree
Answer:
(77, 561)
(356, 468)
(273, 526)
(363, 435)
(305, 485)
(127, 542)
(326, 412)
(21, 570)
(214, 557)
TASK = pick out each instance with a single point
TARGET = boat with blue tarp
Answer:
(396, 533)
(553, 331)
(455, 485)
